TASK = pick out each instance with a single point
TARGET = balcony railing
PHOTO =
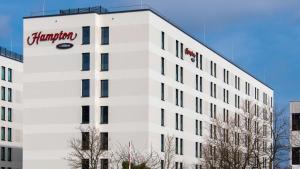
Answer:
(11, 55)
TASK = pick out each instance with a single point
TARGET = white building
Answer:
(11, 70)
(133, 74)
(295, 134)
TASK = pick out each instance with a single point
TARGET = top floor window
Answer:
(163, 40)
(85, 35)
(9, 74)
(104, 35)
(2, 73)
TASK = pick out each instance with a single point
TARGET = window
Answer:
(213, 69)
(177, 95)
(181, 146)
(295, 155)
(85, 110)
(176, 145)
(213, 90)
(104, 35)
(104, 62)
(85, 61)
(85, 163)
(162, 164)
(9, 155)
(176, 121)
(2, 153)
(213, 110)
(104, 88)
(9, 114)
(3, 93)
(197, 60)
(9, 74)
(3, 113)
(85, 88)
(2, 73)
(181, 74)
(201, 57)
(104, 163)
(162, 92)
(296, 121)
(163, 40)
(226, 76)
(104, 140)
(200, 128)
(181, 122)
(162, 143)
(181, 98)
(104, 115)
(9, 94)
(85, 140)
(181, 51)
(85, 35)
(3, 133)
(177, 48)
(162, 117)
(9, 134)
(198, 105)
(163, 66)
(177, 73)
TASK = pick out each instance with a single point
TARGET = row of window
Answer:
(86, 35)
(6, 154)
(86, 115)
(3, 94)
(3, 74)
(3, 114)
(103, 163)
(86, 88)
(104, 65)
(86, 141)
(9, 134)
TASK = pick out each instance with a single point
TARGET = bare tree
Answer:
(138, 158)
(169, 153)
(87, 152)
(240, 141)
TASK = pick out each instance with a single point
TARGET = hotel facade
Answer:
(132, 74)
(295, 134)
(11, 71)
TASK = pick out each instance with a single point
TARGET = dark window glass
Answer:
(2, 72)
(181, 50)
(104, 62)
(85, 88)
(181, 122)
(9, 154)
(3, 93)
(104, 35)
(85, 35)
(177, 48)
(296, 121)
(9, 134)
(162, 86)
(104, 141)
(162, 143)
(9, 114)
(85, 140)
(162, 164)
(104, 163)
(104, 115)
(9, 75)
(2, 153)
(181, 146)
(9, 94)
(85, 61)
(295, 155)
(176, 121)
(85, 114)
(104, 88)
(162, 66)
(162, 117)
(163, 40)
(85, 163)
(3, 133)
(3, 113)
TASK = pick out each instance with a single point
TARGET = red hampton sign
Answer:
(52, 37)
(190, 53)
